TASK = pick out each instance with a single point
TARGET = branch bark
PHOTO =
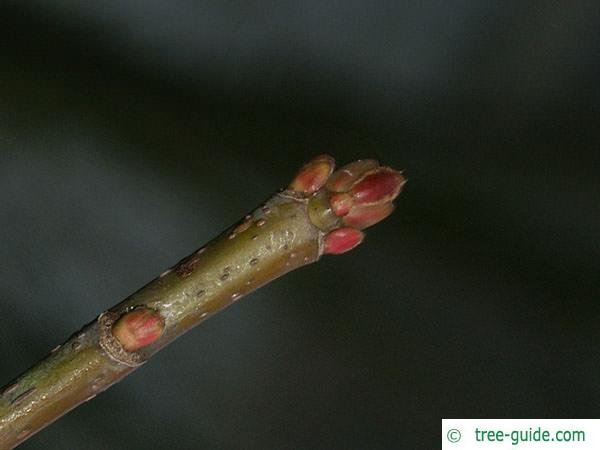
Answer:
(321, 212)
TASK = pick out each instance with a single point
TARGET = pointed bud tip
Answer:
(342, 240)
(313, 175)
(138, 328)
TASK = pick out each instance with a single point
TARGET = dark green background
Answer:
(131, 132)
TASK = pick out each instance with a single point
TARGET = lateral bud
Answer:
(138, 328)
(313, 175)
(342, 240)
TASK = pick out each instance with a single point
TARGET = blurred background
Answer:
(133, 132)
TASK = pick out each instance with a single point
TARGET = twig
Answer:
(321, 212)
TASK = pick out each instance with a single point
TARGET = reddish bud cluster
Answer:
(363, 198)
(360, 194)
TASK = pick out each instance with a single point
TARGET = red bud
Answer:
(342, 240)
(138, 328)
(380, 185)
(313, 175)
